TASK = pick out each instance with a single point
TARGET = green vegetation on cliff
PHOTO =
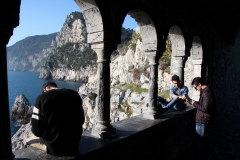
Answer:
(165, 60)
(69, 56)
(126, 38)
(133, 87)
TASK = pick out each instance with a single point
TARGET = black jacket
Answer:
(206, 107)
(58, 117)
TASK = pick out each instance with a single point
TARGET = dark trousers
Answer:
(202, 143)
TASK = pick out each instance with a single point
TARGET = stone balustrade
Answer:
(137, 138)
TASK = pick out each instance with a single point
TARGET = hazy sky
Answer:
(47, 16)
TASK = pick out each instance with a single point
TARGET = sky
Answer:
(47, 16)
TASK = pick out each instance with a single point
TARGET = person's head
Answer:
(48, 86)
(176, 81)
(198, 83)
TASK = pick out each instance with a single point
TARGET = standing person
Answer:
(57, 120)
(178, 95)
(205, 115)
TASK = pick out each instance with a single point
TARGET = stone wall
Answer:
(170, 137)
(224, 77)
(225, 135)
(167, 138)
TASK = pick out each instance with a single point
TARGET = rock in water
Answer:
(21, 110)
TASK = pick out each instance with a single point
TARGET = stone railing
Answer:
(169, 137)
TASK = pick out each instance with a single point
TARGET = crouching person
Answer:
(57, 121)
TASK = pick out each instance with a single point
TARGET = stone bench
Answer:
(137, 137)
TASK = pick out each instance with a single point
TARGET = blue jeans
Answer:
(200, 129)
(202, 141)
(174, 104)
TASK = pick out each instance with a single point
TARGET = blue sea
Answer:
(29, 84)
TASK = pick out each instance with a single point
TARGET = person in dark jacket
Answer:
(57, 119)
(205, 115)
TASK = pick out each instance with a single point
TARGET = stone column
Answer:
(197, 67)
(179, 65)
(5, 133)
(103, 128)
(153, 112)
(9, 19)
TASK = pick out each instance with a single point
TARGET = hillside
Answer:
(28, 54)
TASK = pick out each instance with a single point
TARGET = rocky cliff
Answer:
(20, 137)
(70, 58)
(21, 110)
(73, 59)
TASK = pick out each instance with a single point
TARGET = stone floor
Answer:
(35, 154)
(31, 153)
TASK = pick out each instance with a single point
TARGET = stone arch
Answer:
(103, 47)
(178, 51)
(93, 20)
(149, 45)
(147, 29)
(197, 56)
(193, 66)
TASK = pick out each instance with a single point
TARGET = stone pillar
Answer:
(197, 67)
(153, 112)
(179, 65)
(5, 133)
(103, 128)
(9, 19)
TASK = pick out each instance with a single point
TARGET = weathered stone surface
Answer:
(149, 37)
(94, 24)
(86, 4)
(95, 37)
(177, 40)
(197, 50)
(19, 138)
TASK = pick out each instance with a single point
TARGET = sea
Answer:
(29, 84)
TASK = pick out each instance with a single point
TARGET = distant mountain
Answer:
(64, 55)
(29, 54)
